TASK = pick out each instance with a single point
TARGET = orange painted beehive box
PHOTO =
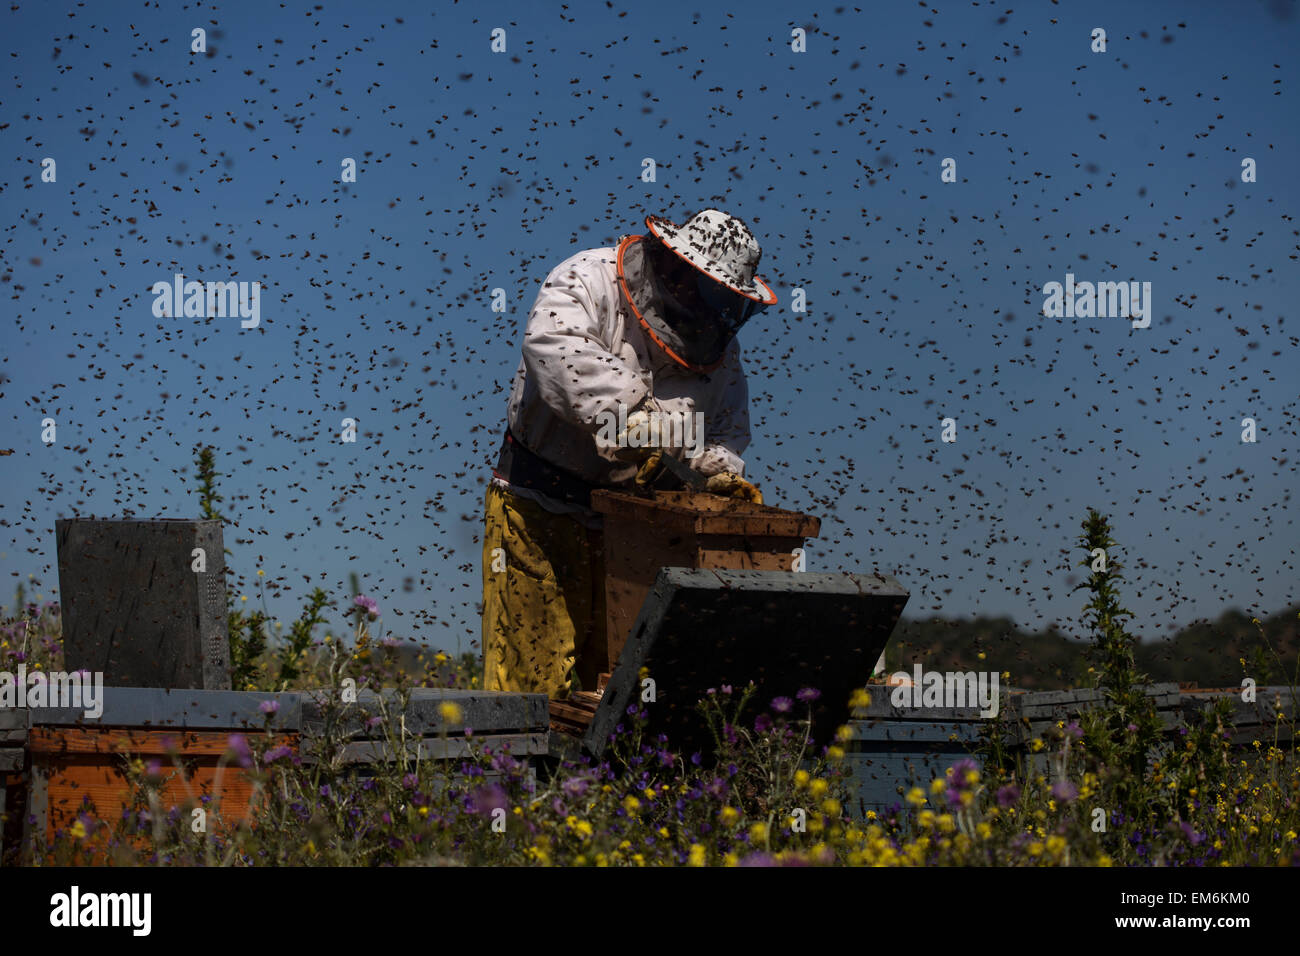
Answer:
(59, 766)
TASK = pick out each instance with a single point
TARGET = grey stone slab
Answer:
(481, 710)
(867, 734)
(520, 746)
(701, 629)
(133, 608)
(11, 760)
(148, 707)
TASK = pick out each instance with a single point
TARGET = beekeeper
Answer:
(640, 332)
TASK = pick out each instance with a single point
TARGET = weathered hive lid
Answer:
(701, 629)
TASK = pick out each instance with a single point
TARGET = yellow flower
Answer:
(831, 807)
(631, 804)
(915, 797)
(78, 830)
(1103, 860)
(871, 814)
(983, 830)
(1036, 744)
(801, 779)
(937, 785)
(844, 734)
(261, 573)
(729, 815)
(861, 698)
(423, 811)
(649, 793)
(834, 753)
(698, 857)
(663, 832)
(817, 786)
(758, 832)
(946, 823)
(450, 712)
(582, 828)
(925, 818)
(1055, 844)
(440, 658)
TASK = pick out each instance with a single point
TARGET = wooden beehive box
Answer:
(685, 529)
(53, 759)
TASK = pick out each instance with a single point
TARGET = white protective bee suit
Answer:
(587, 350)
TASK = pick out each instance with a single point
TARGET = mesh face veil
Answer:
(705, 314)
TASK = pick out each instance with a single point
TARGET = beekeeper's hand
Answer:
(638, 428)
(649, 470)
(730, 485)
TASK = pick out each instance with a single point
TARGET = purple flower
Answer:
(1008, 795)
(409, 781)
(269, 707)
(809, 694)
(277, 753)
(575, 787)
(726, 688)
(487, 798)
(782, 705)
(1191, 834)
(238, 745)
(366, 604)
(959, 771)
(762, 723)
(1064, 790)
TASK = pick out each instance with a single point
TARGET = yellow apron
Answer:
(543, 599)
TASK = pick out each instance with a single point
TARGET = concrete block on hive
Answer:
(133, 608)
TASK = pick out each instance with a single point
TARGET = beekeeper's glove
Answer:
(731, 485)
(638, 423)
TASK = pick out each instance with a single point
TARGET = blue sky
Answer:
(479, 170)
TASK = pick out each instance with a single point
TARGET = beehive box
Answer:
(64, 758)
(896, 748)
(683, 529)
